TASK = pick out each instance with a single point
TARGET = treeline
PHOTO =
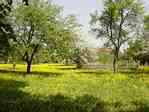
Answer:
(35, 31)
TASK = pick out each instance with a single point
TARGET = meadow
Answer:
(60, 88)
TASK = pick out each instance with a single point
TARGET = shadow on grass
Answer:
(12, 99)
(67, 68)
(56, 65)
(94, 72)
(107, 72)
(23, 73)
(141, 107)
(133, 72)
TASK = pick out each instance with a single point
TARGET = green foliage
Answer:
(146, 21)
(134, 48)
(143, 68)
(81, 56)
(35, 26)
(68, 34)
(6, 31)
(145, 37)
(117, 22)
(105, 58)
(43, 56)
(139, 49)
(67, 47)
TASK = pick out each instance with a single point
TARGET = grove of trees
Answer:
(30, 27)
(35, 31)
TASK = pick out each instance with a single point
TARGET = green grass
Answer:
(144, 68)
(59, 88)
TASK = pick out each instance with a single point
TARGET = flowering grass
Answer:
(144, 69)
(60, 88)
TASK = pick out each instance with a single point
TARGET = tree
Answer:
(6, 31)
(146, 22)
(117, 24)
(26, 2)
(34, 25)
(80, 56)
(105, 57)
(134, 47)
(69, 37)
(146, 33)
(139, 49)
(43, 56)
(70, 47)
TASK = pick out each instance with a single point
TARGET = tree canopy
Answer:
(6, 31)
(35, 26)
(117, 24)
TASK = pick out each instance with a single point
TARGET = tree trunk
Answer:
(6, 60)
(78, 62)
(29, 67)
(79, 65)
(115, 61)
(29, 60)
(66, 62)
(14, 66)
(115, 65)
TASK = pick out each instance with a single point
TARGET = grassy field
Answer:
(59, 88)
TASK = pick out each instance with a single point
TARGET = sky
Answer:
(82, 10)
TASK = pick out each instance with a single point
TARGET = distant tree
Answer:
(81, 56)
(68, 40)
(69, 37)
(42, 56)
(117, 24)
(139, 49)
(146, 34)
(34, 26)
(146, 22)
(105, 57)
(134, 47)
(70, 48)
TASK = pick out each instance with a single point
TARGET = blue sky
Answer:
(82, 10)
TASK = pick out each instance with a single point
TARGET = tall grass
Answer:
(59, 88)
